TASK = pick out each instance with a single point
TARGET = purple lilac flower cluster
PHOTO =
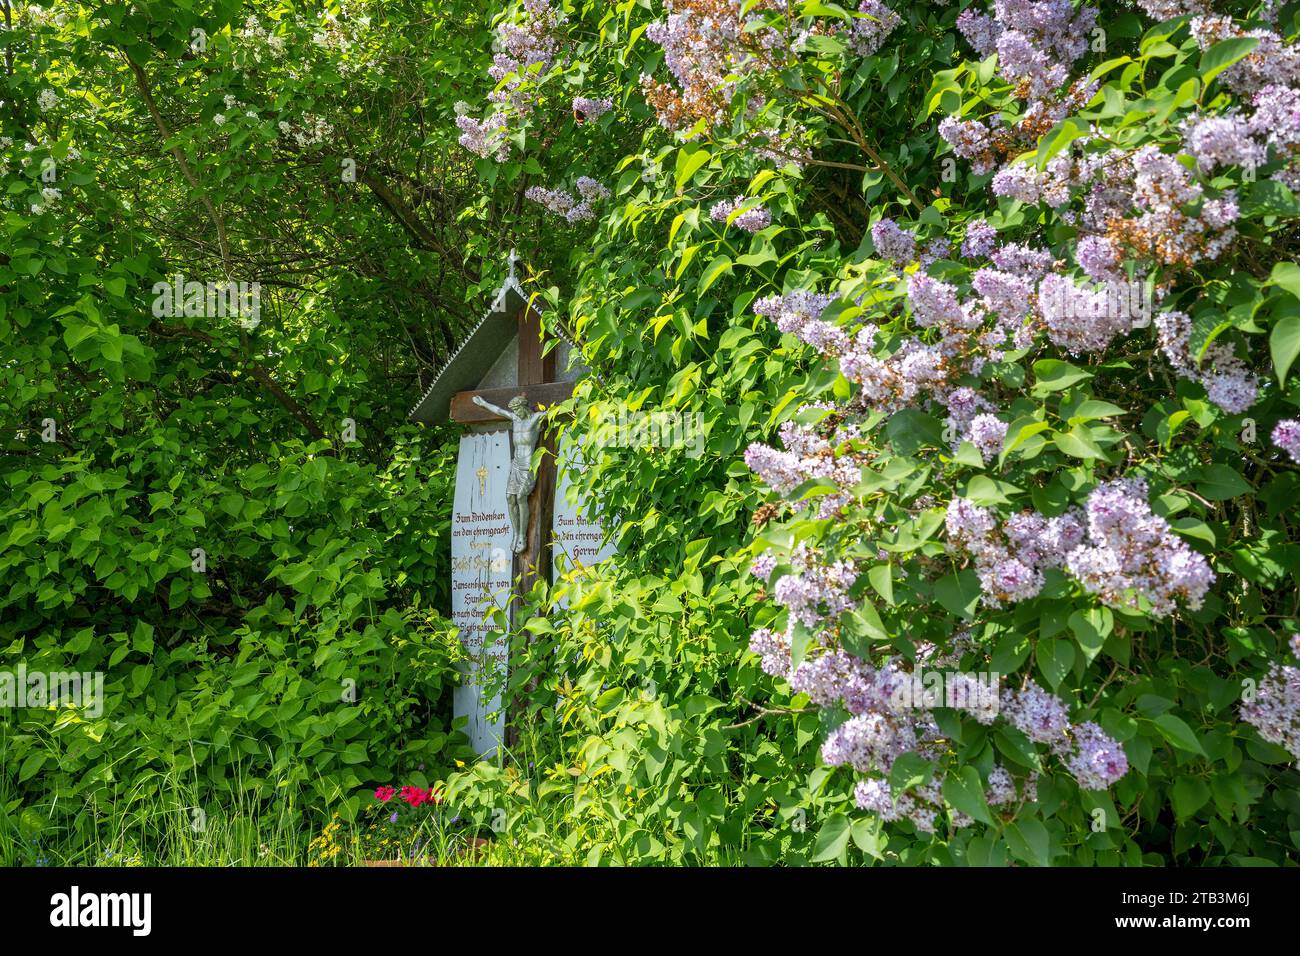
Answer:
(1275, 709)
(807, 456)
(718, 52)
(709, 50)
(815, 591)
(1272, 61)
(798, 313)
(1147, 202)
(485, 137)
(868, 31)
(1133, 554)
(1227, 381)
(589, 109)
(1035, 40)
(1010, 557)
(1272, 131)
(1129, 553)
(752, 219)
(1286, 435)
(523, 49)
(565, 204)
(1161, 10)
(892, 242)
(981, 239)
(1093, 757)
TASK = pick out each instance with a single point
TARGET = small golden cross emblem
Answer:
(482, 479)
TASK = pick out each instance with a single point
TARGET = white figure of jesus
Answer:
(525, 426)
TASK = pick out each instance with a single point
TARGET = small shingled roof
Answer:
(475, 355)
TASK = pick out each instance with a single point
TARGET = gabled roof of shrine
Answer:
(477, 352)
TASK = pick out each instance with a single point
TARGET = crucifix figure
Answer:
(525, 426)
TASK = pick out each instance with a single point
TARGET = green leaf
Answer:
(1189, 795)
(909, 770)
(965, 791)
(688, 164)
(1053, 375)
(1020, 431)
(1093, 409)
(29, 767)
(1221, 482)
(1178, 733)
(1059, 137)
(1055, 658)
(832, 839)
(882, 580)
(1078, 443)
(1090, 629)
(714, 271)
(959, 593)
(77, 333)
(1225, 53)
(1286, 275)
(1284, 344)
(1029, 841)
(910, 430)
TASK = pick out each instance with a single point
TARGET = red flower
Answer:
(384, 794)
(413, 795)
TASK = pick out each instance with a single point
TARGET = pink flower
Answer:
(384, 794)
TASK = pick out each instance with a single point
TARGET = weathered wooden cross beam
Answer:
(464, 410)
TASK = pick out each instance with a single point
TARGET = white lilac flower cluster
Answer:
(50, 196)
(47, 99)
(309, 131)
(1275, 709)
(752, 218)
(254, 40)
(1227, 381)
(564, 204)
(1286, 435)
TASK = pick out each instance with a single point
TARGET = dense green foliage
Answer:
(318, 154)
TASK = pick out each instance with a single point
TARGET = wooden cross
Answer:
(537, 384)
